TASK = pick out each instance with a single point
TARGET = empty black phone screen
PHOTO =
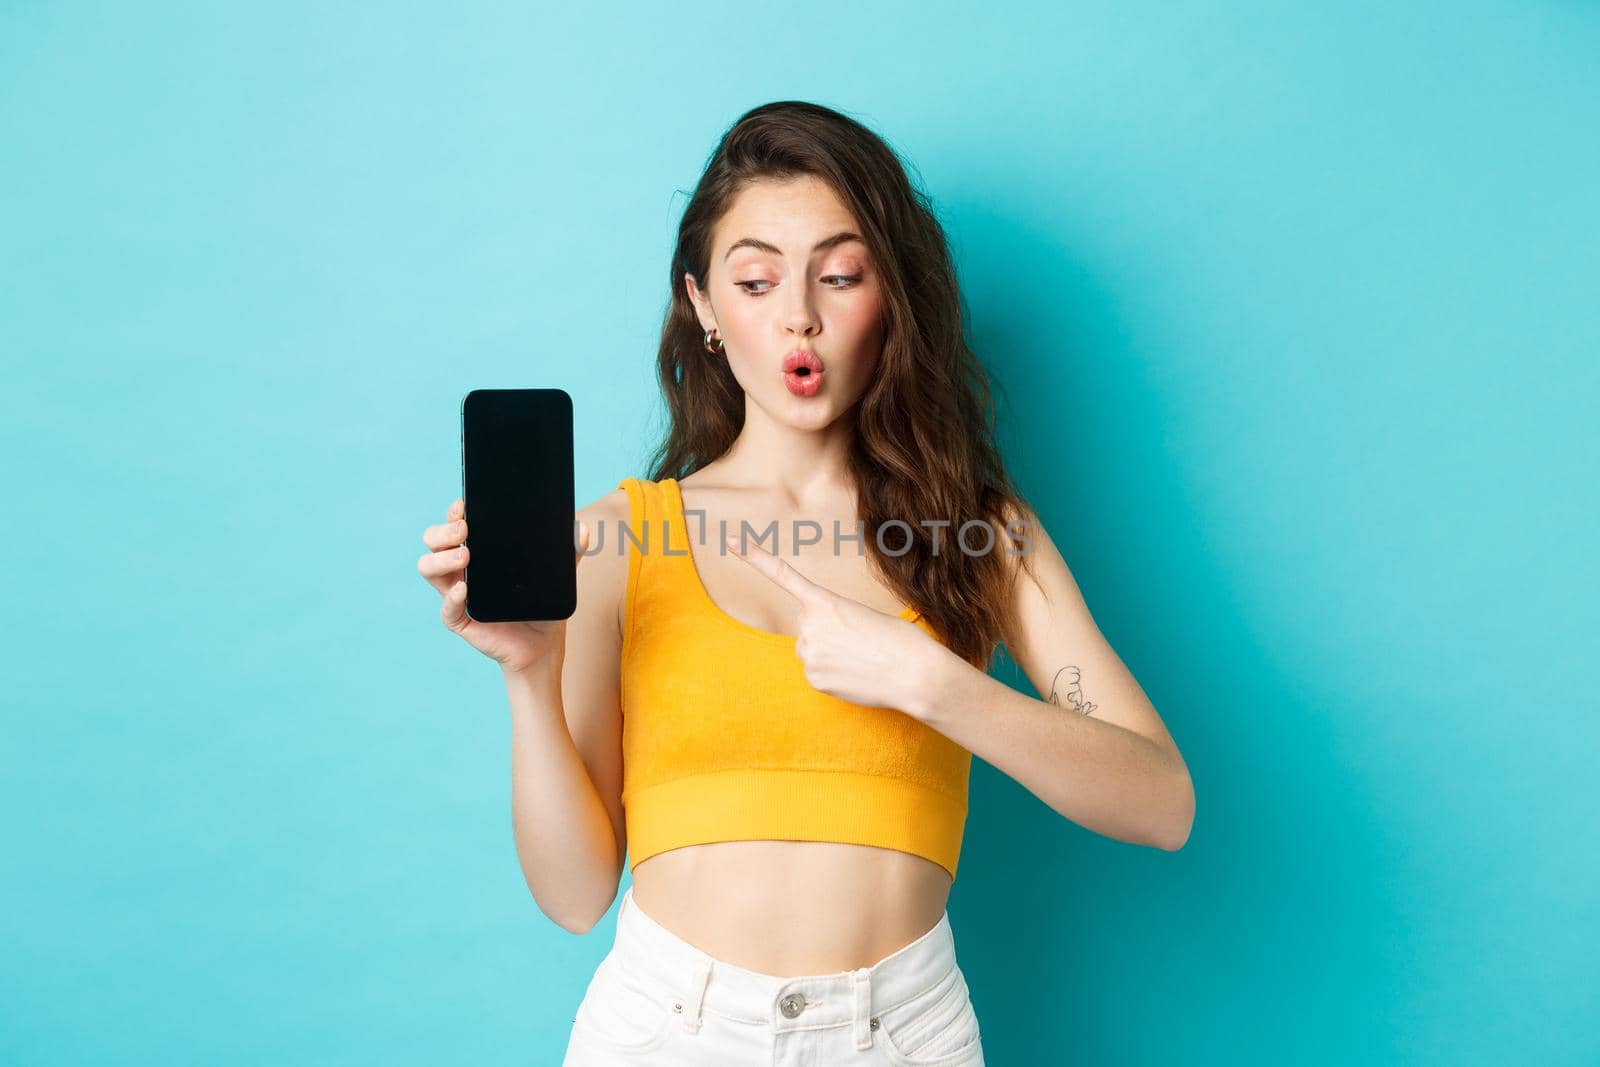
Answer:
(516, 474)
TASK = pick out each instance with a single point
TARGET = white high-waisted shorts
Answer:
(657, 999)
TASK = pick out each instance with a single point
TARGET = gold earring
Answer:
(714, 351)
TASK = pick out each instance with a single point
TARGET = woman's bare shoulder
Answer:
(605, 566)
(611, 506)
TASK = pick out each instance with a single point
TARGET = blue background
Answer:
(1295, 311)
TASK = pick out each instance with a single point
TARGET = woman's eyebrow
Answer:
(755, 242)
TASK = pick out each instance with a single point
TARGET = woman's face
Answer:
(788, 273)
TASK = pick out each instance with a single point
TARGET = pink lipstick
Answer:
(802, 372)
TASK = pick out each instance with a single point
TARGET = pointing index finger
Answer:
(783, 575)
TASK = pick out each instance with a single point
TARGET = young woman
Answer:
(781, 732)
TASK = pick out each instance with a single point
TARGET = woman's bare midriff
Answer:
(789, 908)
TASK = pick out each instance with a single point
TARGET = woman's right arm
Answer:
(566, 743)
(562, 682)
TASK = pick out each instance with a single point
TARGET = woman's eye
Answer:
(847, 279)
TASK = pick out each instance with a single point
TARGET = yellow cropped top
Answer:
(723, 739)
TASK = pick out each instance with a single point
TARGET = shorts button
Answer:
(792, 1005)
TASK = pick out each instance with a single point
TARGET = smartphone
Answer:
(516, 482)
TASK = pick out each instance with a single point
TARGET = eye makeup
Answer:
(848, 279)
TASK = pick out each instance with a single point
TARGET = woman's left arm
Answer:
(1094, 748)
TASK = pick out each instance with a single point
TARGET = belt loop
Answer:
(863, 1014)
(697, 995)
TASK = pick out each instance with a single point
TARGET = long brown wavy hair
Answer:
(924, 445)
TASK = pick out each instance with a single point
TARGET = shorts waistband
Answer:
(701, 981)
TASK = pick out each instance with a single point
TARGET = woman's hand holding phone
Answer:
(516, 646)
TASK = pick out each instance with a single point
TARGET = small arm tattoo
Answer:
(1073, 691)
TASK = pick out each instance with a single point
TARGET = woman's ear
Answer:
(702, 306)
